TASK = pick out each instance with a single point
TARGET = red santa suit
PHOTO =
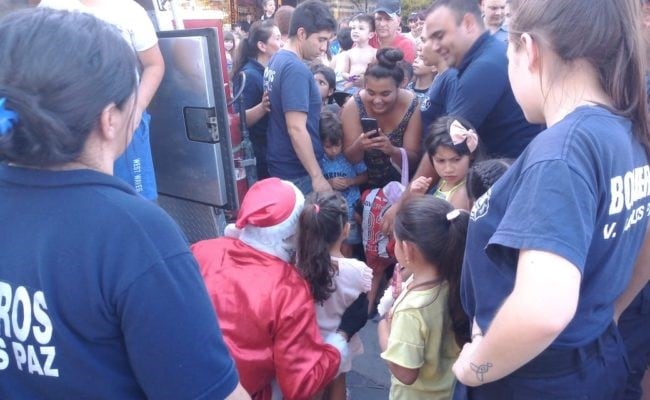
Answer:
(265, 308)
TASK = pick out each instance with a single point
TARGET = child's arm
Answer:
(405, 375)
(343, 65)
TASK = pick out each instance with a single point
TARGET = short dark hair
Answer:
(313, 16)
(459, 8)
(327, 72)
(59, 92)
(330, 128)
(367, 18)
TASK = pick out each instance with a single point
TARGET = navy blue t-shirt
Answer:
(252, 96)
(440, 93)
(100, 297)
(580, 190)
(483, 96)
(291, 87)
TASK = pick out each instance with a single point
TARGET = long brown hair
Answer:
(320, 225)
(605, 33)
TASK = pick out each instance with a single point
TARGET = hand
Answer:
(467, 372)
(266, 102)
(379, 142)
(320, 184)
(355, 316)
(339, 183)
(396, 283)
(420, 185)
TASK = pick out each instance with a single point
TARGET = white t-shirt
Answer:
(127, 15)
(353, 278)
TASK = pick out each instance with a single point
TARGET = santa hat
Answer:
(268, 217)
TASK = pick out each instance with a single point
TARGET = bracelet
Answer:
(475, 335)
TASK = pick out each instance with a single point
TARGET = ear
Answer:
(531, 50)
(410, 250)
(468, 22)
(261, 46)
(108, 122)
(346, 230)
(330, 92)
(301, 33)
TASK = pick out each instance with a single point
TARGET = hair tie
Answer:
(7, 118)
(460, 134)
(453, 214)
(316, 208)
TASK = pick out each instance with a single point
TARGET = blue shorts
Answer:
(599, 374)
(135, 166)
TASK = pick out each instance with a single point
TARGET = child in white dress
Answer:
(335, 281)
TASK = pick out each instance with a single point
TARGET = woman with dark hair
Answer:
(104, 297)
(553, 244)
(398, 119)
(253, 54)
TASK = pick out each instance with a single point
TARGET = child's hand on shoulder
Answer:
(420, 185)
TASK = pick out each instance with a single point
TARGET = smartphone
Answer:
(369, 125)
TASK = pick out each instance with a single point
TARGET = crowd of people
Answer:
(477, 186)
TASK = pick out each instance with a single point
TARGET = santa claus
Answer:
(265, 308)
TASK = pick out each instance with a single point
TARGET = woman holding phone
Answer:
(398, 123)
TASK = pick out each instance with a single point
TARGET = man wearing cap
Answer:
(387, 21)
(265, 308)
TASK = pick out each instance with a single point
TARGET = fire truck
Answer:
(202, 156)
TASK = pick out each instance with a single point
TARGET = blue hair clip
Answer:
(7, 118)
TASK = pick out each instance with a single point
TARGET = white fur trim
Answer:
(276, 240)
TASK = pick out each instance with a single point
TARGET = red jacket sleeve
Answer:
(304, 364)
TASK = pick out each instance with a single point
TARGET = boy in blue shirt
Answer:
(341, 175)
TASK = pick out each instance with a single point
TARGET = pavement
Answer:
(369, 378)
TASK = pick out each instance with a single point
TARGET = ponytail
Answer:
(320, 226)
(260, 31)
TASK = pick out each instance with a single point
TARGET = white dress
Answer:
(353, 278)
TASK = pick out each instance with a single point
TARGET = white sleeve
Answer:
(143, 33)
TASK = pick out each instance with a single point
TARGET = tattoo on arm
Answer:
(480, 370)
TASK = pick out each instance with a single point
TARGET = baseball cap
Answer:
(390, 7)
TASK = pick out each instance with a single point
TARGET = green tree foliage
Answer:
(409, 6)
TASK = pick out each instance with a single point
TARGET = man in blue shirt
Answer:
(294, 147)
(482, 95)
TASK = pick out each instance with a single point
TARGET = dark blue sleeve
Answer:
(295, 85)
(253, 90)
(551, 208)
(478, 89)
(440, 95)
(172, 336)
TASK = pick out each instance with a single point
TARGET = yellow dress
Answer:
(422, 337)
